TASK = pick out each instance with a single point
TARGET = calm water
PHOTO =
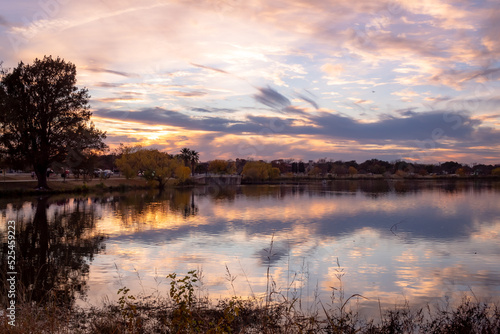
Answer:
(388, 241)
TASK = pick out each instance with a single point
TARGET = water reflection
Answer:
(55, 243)
(392, 240)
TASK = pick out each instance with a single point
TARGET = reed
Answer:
(186, 310)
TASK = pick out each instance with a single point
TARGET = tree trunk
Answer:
(161, 184)
(41, 174)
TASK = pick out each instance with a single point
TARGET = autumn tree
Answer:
(461, 171)
(315, 171)
(182, 173)
(221, 167)
(155, 166)
(259, 171)
(128, 162)
(44, 116)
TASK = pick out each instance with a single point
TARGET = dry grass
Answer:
(186, 310)
(70, 185)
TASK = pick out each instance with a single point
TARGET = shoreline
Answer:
(21, 185)
(366, 177)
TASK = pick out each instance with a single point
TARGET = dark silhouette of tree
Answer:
(185, 156)
(190, 158)
(44, 116)
(194, 159)
(302, 167)
(450, 167)
(54, 252)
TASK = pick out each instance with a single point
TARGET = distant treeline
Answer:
(320, 168)
(323, 167)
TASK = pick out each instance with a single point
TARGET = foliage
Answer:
(190, 157)
(259, 171)
(315, 171)
(186, 312)
(274, 173)
(496, 171)
(128, 162)
(221, 167)
(352, 171)
(152, 164)
(128, 309)
(82, 163)
(182, 294)
(182, 173)
(44, 117)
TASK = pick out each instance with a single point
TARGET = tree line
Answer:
(323, 167)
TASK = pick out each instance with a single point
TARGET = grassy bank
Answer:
(187, 310)
(19, 187)
(23, 185)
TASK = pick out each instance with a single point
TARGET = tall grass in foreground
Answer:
(186, 310)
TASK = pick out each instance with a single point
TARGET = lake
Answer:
(390, 241)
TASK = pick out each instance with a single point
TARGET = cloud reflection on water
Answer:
(393, 241)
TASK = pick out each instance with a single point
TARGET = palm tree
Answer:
(190, 158)
(194, 159)
(185, 156)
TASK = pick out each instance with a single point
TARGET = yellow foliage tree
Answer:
(182, 173)
(315, 171)
(275, 173)
(352, 170)
(221, 167)
(128, 163)
(259, 171)
(155, 166)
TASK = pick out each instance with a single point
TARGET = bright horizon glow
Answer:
(267, 80)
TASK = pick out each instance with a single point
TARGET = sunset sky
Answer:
(342, 80)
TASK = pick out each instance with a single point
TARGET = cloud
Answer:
(213, 110)
(185, 94)
(4, 22)
(411, 126)
(122, 98)
(160, 116)
(309, 100)
(271, 98)
(117, 139)
(488, 74)
(104, 70)
(333, 70)
(415, 126)
(210, 68)
(108, 85)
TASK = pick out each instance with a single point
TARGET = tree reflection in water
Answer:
(53, 252)
(136, 208)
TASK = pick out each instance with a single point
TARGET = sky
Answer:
(338, 79)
